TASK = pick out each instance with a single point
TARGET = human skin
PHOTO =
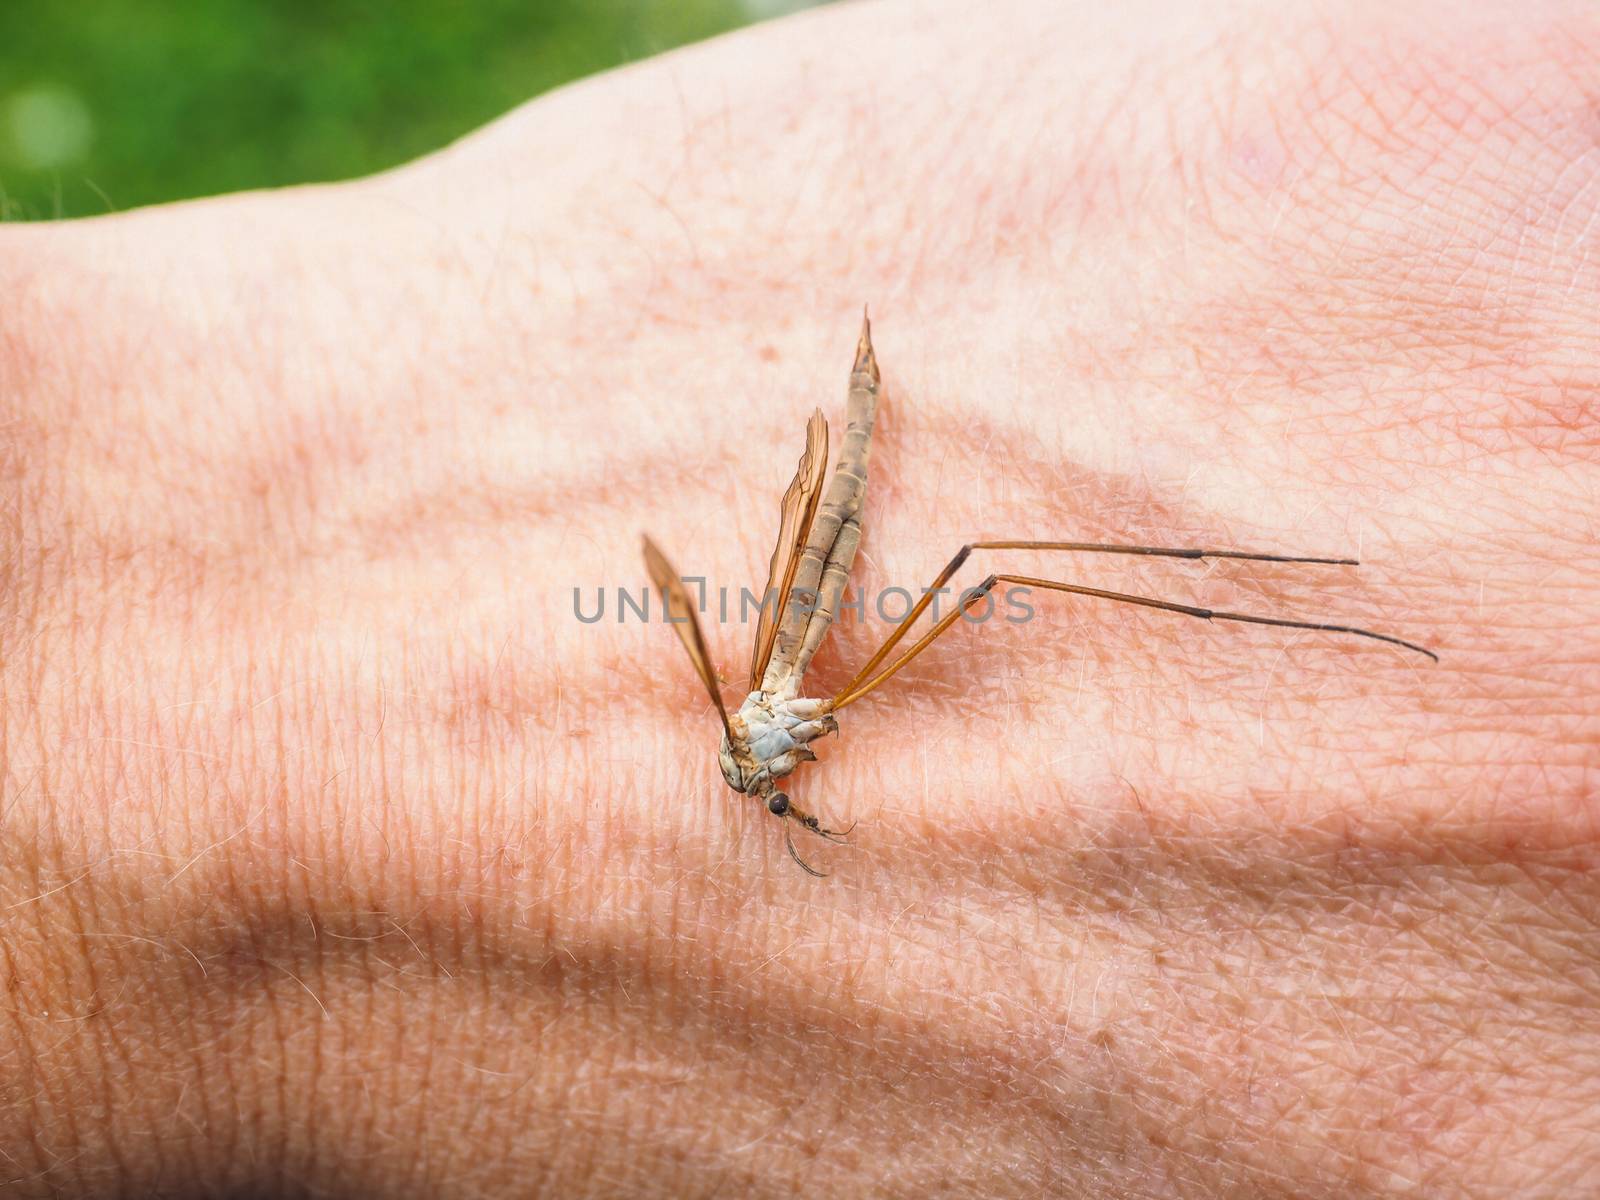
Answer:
(340, 859)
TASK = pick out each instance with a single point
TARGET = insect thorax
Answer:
(770, 736)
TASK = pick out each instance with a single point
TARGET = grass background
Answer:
(106, 105)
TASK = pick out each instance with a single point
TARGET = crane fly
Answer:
(818, 533)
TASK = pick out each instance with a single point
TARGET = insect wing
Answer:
(680, 615)
(800, 502)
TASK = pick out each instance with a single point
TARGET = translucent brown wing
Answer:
(799, 508)
(680, 614)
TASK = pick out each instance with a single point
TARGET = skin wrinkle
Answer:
(1427, 327)
(1267, 971)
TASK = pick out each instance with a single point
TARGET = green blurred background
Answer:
(109, 104)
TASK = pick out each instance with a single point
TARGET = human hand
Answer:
(341, 858)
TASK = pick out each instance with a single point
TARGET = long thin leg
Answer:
(788, 840)
(851, 694)
(1094, 547)
(811, 823)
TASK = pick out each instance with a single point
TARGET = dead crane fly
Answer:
(817, 538)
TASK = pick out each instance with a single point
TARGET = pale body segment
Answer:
(830, 548)
(769, 740)
(769, 736)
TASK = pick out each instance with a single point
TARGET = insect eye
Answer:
(778, 805)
